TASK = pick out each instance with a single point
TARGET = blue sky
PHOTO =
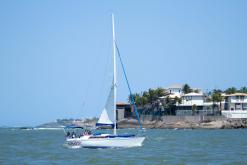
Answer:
(55, 55)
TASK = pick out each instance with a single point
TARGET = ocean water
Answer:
(161, 146)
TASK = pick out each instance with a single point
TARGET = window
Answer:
(187, 98)
(245, 106)
(238, 106)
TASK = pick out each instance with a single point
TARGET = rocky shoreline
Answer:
(159, 124)
(166, 122)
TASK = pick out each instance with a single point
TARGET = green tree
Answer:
(178, 100)
(160, 92)
(138, 99)
(145, 94)
(216, 98)
(144, 100)
(168, 105)
(243, 90)
(196, 91)
(231, 90)
(133, 96)
(152, 96)
(194, 109)
(186, 89)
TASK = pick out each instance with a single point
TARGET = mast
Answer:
(114, 77)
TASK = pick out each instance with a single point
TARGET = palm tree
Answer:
(152, 96)
(194, 108)
(177, 100)
(186, 89)
(136, 98)
(196, 91)
(231, 90)
(216, 98)
(243, 90)
(168, 104)
(160, 92)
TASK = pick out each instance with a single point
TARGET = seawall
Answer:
(188, 122)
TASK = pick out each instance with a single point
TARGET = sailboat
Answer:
(101, 140)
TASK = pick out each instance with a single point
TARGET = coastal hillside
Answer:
(165, 122)
(60, 123)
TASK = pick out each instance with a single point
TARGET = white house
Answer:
(175, 90)
(235, 105)
(191, 99)
(236, 101)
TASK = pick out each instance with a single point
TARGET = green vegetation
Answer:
(186, 89)
(148, 97)
(233, 90)
(217, 98)
(243, 90)
(194, 109)
(157, 101)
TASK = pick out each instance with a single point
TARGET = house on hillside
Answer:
(175, 90)
(191, 104)
(236, 101)
(235, 105)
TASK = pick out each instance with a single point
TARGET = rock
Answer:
(208, 124)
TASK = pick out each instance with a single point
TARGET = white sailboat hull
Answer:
(116, 142)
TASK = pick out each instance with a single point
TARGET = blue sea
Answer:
(161, 146)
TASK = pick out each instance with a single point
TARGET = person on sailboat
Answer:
(87, 132)
(68, 134)
(73, 134)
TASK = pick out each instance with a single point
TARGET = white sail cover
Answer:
(106, 119)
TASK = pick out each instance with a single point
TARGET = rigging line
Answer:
(106, 77)
(131, 96)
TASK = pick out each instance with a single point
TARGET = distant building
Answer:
(124, 110)
(190, 102)
(192, 99)
(236, 101)
(175, 90)
(235, 105)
